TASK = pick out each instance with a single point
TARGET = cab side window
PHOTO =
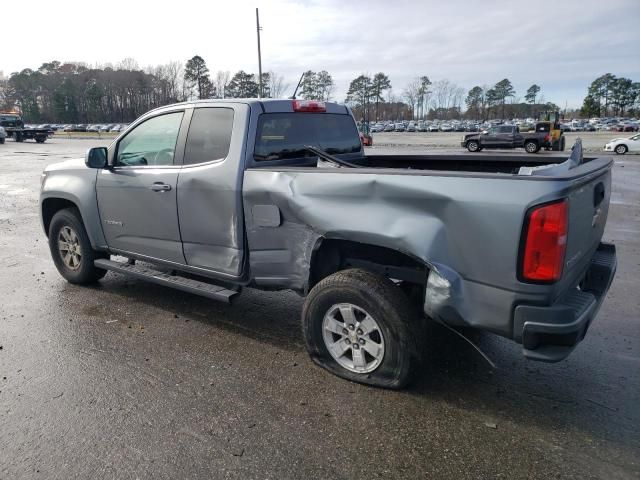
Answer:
(152, 143)
(209, 135)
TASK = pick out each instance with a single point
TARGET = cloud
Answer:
(560, 45)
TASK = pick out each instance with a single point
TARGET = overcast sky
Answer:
(561, 45)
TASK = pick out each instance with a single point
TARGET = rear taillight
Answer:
(545, 242)
(309, 106)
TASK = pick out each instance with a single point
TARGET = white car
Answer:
(623, 145)
(3, 135)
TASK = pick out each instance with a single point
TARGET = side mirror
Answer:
(96, 157)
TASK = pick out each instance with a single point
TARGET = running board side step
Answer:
(208, 290)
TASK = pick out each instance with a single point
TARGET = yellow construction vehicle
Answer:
(549, 121)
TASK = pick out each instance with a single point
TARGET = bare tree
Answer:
(412, 94)
(277, 85)
(221, 82)
(128, 64)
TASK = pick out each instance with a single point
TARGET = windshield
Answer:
(284, 135)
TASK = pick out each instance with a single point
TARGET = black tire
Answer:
(85, 272)
(621, 149)
(531, 147)
(400, 327)
(40, 139)
(1, 141)
(18, 137)
(473, 146)
(563, 144)
(555, 146)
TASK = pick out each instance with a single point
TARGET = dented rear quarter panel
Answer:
(466, 226)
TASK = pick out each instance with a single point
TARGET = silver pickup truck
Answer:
(211, 197)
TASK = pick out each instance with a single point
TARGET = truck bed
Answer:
(509, 164)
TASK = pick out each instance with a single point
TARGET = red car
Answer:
(627, 127)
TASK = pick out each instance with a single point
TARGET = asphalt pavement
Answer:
(127, 379)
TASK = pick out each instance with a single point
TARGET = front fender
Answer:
(81, 191)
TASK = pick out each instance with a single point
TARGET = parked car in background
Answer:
(627, 127)
(623, 145)
(399, 127)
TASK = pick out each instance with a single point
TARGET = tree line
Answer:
(78, 93)
(611, 95)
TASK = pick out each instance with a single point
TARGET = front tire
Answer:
(71, 249)
(360, 326)
(473, 146)
(621, 149)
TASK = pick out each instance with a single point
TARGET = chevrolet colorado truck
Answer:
(214, 196)
(509, 136)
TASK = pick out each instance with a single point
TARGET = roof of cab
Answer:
(268, 105)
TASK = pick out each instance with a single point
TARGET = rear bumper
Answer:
(550, 333)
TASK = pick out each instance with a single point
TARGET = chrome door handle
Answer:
(160, 187)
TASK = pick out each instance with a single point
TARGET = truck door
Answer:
(505, 137)
(210, 189)
(490, 139)
(137, 196)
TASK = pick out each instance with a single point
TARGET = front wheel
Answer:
(71, 249)
(360, 326)
(621, 149)
(473, 146)
(531, 147)
(1, 141)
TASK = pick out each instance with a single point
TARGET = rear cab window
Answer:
(283, 136)
(209, 135)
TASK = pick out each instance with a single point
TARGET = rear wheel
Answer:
(621, 149)
(71, 249)
(473, 146)
(1, 140)
(531, 146)
(563, 144)
(40, 139)
(360, 326)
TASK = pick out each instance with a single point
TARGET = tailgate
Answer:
(588, 209)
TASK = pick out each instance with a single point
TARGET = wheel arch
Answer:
(626, 148)
(331, 255)
(52, 204)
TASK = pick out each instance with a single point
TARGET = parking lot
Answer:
(592, 142)
(132, 380)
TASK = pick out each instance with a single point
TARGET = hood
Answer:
(73, 164)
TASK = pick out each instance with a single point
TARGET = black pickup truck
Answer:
(509, 136)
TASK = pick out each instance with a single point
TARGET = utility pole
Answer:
(259, 56)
